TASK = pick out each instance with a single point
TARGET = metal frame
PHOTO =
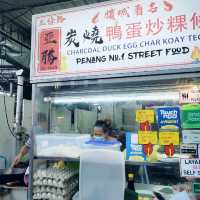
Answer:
(109, 80)
(192, 71)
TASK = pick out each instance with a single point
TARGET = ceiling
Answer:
(14, 53)
(21, 13)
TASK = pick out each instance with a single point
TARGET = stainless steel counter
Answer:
(13, 193)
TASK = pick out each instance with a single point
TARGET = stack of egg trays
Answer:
(55, 184)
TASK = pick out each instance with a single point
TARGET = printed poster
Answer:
(168, 117)
(190, 116)
(134, 151)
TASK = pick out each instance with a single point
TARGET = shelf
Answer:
(127, 162)
(57, 158)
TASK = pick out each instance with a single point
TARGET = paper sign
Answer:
(190, 167)
(146, 137)
(189, 96)
(196, 188)
(191, 116)
(134, 151)
(189, 149)
(168, 117)
(49, 50)
(191, 136)
(145, 116)
(167, 138)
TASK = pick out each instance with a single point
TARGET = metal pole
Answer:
(19, 104)
(20, 83)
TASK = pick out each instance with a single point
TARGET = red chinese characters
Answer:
(114, 33)
(195, 21)
(152, 7)
(177, 23)
(49, 47)
(134, 30)
(123, 12)
(138, 10)
(110, 14)
(168, 6)
(51, 20)
(154, 27)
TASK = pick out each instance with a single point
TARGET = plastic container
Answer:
(109, 145)
(68, 145)
(102, 175)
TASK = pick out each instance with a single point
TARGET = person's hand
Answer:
(16, 160)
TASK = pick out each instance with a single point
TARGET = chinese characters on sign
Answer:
(71, 38)
(117, 37)
(49, 50)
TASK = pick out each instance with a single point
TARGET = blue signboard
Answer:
(168, 117)
(134, 151)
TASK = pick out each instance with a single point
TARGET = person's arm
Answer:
(23, 151)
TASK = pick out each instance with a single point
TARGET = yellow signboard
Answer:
(167, 138)
(146, 137)
(145, 115)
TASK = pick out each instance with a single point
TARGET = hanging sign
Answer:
(190, 167)
(145, 116)
(167, 138)
(114, 38)
(147, 137)
(168, 117)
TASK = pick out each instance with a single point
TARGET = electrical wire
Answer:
(6, 114)
(5, 109)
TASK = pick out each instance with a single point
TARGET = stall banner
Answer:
(147, 137)
(134, 151)
(145, 116)
(168, 117)
(190, 167)
(116, 37)
(190, 116)
(167, 138)
(191, 136)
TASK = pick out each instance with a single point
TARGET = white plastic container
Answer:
(102, 175)
(68, 145)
